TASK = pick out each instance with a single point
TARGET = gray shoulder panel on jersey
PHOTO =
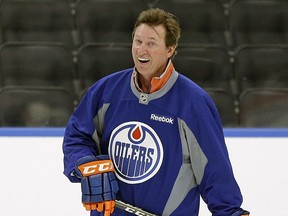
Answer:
(99, 123)
(191, 171)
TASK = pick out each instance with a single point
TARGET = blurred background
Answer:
(51, 51)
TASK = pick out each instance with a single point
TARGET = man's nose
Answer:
(142, 49)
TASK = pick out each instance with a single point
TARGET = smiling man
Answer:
(149, 136)
(150, 54)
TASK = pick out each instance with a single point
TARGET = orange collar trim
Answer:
(158, 82)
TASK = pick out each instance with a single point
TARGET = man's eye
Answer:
(138, 42)
(151, 44)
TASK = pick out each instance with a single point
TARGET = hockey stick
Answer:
(132, 209)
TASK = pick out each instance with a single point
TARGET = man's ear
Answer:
(170, 51)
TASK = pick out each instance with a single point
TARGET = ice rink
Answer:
(32, 183)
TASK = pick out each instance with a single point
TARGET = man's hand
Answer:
(98, 183)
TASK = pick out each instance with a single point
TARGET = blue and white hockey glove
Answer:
(241, 213)
(98, 183)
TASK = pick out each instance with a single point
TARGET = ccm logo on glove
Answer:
(96, 167)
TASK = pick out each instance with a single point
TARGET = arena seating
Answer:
(262, 66)
(264, 108)
(37, 64)
(32, 20)
(34, 107)
(96, 60)
(202, 22)
(258, 22)
(237, 50)
(208, 66)
(106, 21)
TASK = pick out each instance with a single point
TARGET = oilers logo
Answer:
(136, 152)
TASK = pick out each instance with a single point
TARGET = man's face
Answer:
(149, 50)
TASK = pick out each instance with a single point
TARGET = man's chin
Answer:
(142, 70)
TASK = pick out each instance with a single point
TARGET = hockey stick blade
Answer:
(132, 209)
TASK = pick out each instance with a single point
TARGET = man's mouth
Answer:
(143, 60)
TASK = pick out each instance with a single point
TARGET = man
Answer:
(149, 136)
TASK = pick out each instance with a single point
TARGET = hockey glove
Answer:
(241, 213)
(98, 183)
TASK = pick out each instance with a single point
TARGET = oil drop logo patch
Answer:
(136, 152)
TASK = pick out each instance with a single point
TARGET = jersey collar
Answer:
(157, 82)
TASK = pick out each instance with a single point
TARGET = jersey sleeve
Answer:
(217, 186)
(81, 135)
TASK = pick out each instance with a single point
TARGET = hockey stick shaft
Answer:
(132, 209)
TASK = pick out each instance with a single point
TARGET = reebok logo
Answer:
(161, 118)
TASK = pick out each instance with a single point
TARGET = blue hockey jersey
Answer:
(167, 147)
